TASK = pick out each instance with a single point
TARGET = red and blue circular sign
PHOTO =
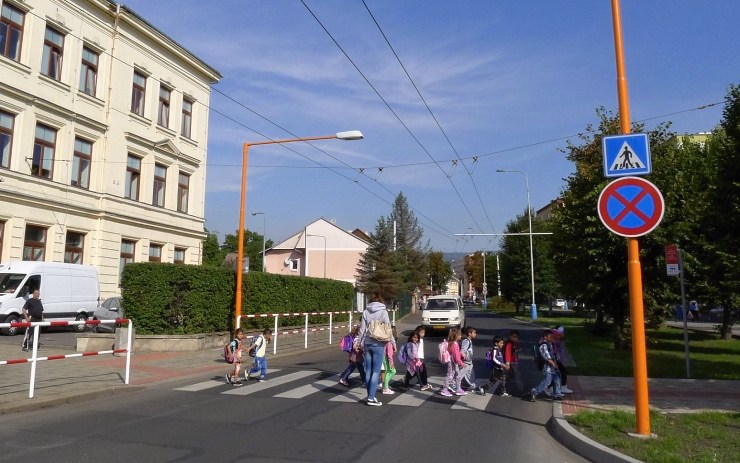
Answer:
(631, 206)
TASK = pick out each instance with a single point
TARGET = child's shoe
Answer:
(388, 391)
(460, 392)
(445, 392)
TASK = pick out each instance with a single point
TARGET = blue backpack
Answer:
(346, 343)
(489, 359)
(402, 354)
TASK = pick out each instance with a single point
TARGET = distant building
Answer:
(546, 212)
(103, 137)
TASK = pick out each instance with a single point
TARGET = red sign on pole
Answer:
(630, 206)
(671, 260)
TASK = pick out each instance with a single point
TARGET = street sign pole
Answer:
(634, 271)
(685, 310)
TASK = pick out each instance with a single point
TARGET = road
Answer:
(300, 414)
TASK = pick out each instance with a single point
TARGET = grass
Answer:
(711, 357)
(695, 437)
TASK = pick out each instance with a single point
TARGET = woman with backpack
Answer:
(375, 333)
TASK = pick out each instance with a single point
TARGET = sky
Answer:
(445, 92)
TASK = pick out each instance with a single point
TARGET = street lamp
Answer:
(264, 238)
(485, 284)
(531, 247)
(319, 236)
(350, 135)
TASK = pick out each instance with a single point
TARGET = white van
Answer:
(68, 291)
(443, 312)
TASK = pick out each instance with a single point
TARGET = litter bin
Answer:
(679, 313)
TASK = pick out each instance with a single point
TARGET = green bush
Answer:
(187, 299)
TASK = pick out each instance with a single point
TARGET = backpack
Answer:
(228, 358)
(255, 344)
(444, 353)
(467, 350)
(489, 359)
(347, 342)
(402, 354)
(539, 361)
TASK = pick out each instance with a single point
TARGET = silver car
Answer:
(110, 309)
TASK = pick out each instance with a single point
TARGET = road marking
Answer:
(308, 389)
(351, 395)
(202, 386)
(472, 401)
(415, 397)
(253, 387)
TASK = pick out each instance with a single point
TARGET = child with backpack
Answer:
(546, 362)
(259, 346)
(389, 368)
(233, 355)
(511, 359)
(419, 368)
(413, 363)
(356, 358)
(495, 358)
(466, 348)
(454, 362)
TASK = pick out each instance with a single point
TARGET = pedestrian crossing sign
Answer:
(626, 155)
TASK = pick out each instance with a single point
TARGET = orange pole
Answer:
(240, 246)
(634, 270)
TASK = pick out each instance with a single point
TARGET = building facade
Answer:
(103, 137)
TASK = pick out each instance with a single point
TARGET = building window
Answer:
(183, 188)
(179, 252)
(81, 163)
(128, 249)
(138, 94)
(42, 164)
(6, 138)
(155, 253)
(187, 118)
(160, 181)
(11, 32)
(89, 71)
(163, 113)
(133, 172)
(73, 248)
(34, 243)
(294, 265)
(51, 60)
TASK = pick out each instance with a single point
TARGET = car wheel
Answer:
(12, 331)
(80, 328)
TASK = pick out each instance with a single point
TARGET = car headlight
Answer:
(425, 319)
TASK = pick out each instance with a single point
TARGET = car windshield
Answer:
(441, 304)
(9, 282)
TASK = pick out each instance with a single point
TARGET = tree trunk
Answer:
(725, 331)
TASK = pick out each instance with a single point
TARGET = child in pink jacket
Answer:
(454, 366)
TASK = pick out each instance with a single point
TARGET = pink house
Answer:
(320, 250)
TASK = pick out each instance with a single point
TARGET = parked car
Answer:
(560, 302)
(110, 309)
(716, 314)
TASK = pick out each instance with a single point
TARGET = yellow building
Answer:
(103, 137)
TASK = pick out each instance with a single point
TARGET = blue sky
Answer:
(508, 81)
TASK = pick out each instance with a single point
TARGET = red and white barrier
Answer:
(306, 329)
(34, 353)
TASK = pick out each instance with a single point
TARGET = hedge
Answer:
(166, 298)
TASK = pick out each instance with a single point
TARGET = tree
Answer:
(252, 247)
(440, 271)
(212, 253)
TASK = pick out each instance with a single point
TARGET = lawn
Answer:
(711, 357)
(696, 437)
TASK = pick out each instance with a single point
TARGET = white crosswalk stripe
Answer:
(412, 397)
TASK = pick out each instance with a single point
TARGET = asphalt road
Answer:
(203, 419)
(51, 336)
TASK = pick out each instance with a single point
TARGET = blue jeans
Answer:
(550, 376)
(374, 353)
(350, 368)
(260, 364)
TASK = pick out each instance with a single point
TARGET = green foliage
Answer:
(177, 299)
(440, 271)
(252, 247)
(187, 299)
(213, 256)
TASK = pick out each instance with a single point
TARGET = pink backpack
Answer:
(444, 353)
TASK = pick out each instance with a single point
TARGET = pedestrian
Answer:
(466, 348)
(550, 373)
(413, 363)
(389, 368)
(419, 367)
(356, 360)
(498, 370)
(511, 359)
(259, 346)
(234, 351)
(454, 365)
(693, 311)
(558, 349)
(33, 311)
(375, 332)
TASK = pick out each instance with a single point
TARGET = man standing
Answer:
(33, 311)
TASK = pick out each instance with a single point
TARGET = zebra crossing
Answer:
(304, 383)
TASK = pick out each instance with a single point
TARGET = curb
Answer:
(68, 399)
(582, 445)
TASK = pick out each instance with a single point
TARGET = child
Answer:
(389, 369)
(234, 351)
(558, 333)
(421, 369)
(511, 359)
(260, 362)
(413, 363)
(466, 348)
(356, 360)
(498, 375)
(453, 379)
